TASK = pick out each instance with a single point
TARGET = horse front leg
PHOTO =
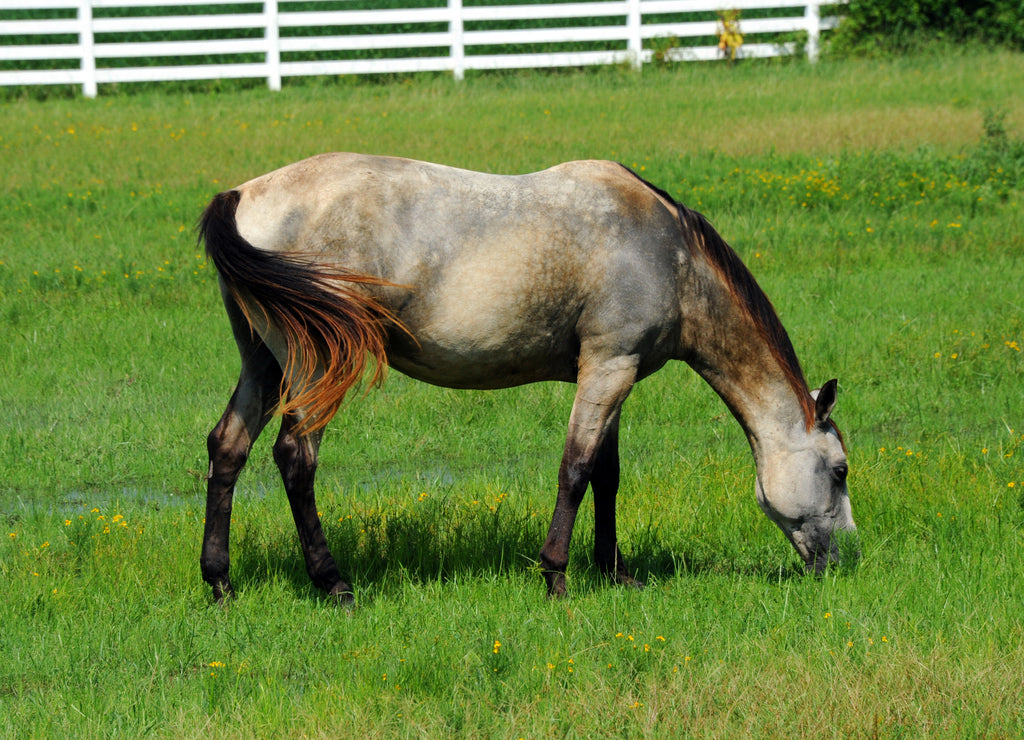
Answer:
(604, 481)
(573, 476)
(296, 457)
(600, 393)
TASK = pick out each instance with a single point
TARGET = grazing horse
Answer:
(582, 273)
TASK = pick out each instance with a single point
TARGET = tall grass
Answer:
(880, 207)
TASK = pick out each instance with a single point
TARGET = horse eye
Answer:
(839, 472)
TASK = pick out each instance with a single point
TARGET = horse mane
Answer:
(325, 322)
(745, 291)
(751, 298)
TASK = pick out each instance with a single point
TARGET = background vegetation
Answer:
(868, 28)
(896, 26)
(878, 203)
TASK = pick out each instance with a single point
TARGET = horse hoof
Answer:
(556, 586)
(630, 582)
(342, 596)
(223, 593)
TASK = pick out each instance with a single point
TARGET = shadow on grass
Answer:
(379, 549)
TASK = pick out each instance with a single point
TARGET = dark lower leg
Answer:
(605, 483)
(214, 559)
(296, 457)
(554, 555)
(227, 456)
(255, 397)
(602, 386)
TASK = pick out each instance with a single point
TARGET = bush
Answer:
(900, 25)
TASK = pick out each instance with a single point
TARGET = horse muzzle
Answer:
(820, 546)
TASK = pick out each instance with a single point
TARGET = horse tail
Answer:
(330, 328)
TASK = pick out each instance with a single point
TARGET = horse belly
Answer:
(469, 356)
(495, 316)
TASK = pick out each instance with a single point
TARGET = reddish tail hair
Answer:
(325, 322)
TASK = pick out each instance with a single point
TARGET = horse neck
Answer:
(758, 379)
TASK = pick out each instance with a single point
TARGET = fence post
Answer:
(87, 48)
(457, 54)
(812, 19)
(272, 37)
(635, 42)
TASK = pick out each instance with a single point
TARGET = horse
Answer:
(582, 273)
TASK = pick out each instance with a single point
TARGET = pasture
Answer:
(879, 204)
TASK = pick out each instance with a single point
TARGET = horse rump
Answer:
(329, 325)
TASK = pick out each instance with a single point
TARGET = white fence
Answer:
(93, 42)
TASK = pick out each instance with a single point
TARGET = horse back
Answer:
(498, 279)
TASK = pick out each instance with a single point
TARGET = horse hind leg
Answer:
(296, 458)
(251, 405)
(296, 453)
(254, 401)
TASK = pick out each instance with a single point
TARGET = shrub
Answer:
(899, 25)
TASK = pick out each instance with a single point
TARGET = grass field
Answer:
(880, 205)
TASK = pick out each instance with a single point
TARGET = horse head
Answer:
(801, 486)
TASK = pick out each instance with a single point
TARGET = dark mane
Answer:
(745, 290)
(751, 299)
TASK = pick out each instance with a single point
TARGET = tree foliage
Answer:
(898, 25)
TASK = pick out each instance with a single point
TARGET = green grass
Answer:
(879, 206)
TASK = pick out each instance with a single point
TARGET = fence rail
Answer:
(94, 42)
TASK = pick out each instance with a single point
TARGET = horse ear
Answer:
(824, 401)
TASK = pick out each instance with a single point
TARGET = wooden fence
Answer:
(93, 42)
